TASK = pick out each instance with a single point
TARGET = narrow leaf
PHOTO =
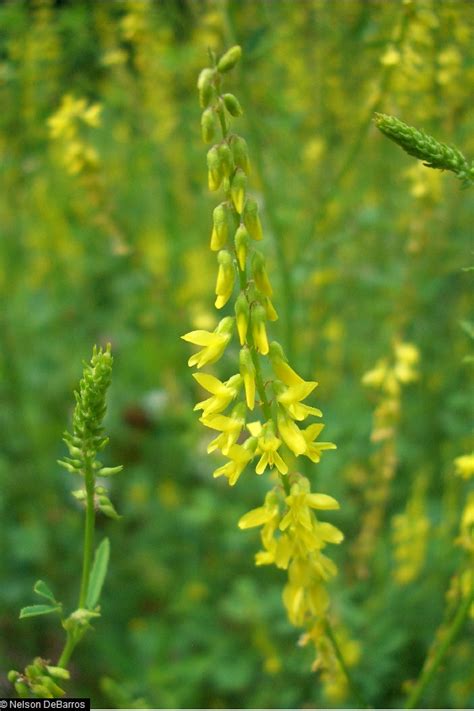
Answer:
(33, 610)
(98, 572)
(40, 588)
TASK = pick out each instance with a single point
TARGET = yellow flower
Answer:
(282, 370)
(465, 465)
(314, 449)
(268, 443)
(259, 331)
(214, 342)
(290, 398)
(247, 370)
(230, 427)
(240, 456)
(301, 501)
(222, 393)
(225, 278)
(290, 433)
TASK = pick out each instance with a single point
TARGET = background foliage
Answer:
(365, 246)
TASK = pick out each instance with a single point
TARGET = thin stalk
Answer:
(430, 669)
(67, 651)
(88, 534)
(342, 662)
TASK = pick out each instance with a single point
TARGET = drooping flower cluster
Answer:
(257, 413)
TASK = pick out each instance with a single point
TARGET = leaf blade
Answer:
(35, 610)
(98, 573)
(41, 589)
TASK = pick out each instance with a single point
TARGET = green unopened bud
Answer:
(259, 331)
(221, 218)
(215, 172)
(42, 691)
(22, 689)
(225, 156)
(240, 153)
(238, 189)
(208, 125)
(107, 508)
(229, 59)
(58, 672)
(225, 278)
(260, 275)
(13, 676)
(247, 371)
(51, 685)
(242, 313)
(205, 87)
(252, 219)
(109, 471)
(232, 105)
(79, 494)
(241, 241)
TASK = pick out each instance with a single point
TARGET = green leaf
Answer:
(34, 610)
(468, 328)
(40, 588)
(98, 572)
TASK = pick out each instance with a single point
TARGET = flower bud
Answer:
(260, 275)
(242, 313)
(247, 371)
(205, 87)
(252, 220)
(225, 278)
(229, 59)
(240, 153)
(208, 125)
(222, 221)
(226, 160)
(269, 309)
(241, 241)
(238, 188)
(215, 172)
(232, 105)
(259, 331)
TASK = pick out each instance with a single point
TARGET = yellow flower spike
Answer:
(260, 275)
(242, 315)
(239, 456)
(222, 393)
(225, 278)
(465, 465)
(230, 427)
(290, 433)
(238, 188)
(314, 449)
(252, 219)
(214, 343)
(241, 241)
(259, 331)
(268, 443)
(247, 371)
(91, 116)
(376, 377)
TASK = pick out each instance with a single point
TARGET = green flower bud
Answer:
(109, 471)
(215, 173)
(242, 313)
(222, 219)
(260, 274)
(225, 156)
(22, 689)
(58, 672)
(240, 153)
(13, 676)
(238, 189)
(241, 242)
(205, 87)
(252, 220)
(52, 687)
(247, 371)
(269, 309)
(208, 125)
(225, 278)
(259, 331)
(229, 59)
(232, 105)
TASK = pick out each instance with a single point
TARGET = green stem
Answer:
(340, 658)
(431, 668)
(67, 651)
(88, 533)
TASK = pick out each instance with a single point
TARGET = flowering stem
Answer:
(340, 658)
(88, 532)
(67, 651)
(430, 669)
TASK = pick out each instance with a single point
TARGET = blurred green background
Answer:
(107, 240)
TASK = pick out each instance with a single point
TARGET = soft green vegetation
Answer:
(106, 219)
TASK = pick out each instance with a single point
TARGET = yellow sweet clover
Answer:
(65, 127)
(258, 411)
(410, 535)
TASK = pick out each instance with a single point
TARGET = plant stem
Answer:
(340, 658)
(67, 651)
(430, 669)
(88, 533)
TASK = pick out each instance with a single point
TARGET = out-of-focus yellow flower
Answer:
(465, 465)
